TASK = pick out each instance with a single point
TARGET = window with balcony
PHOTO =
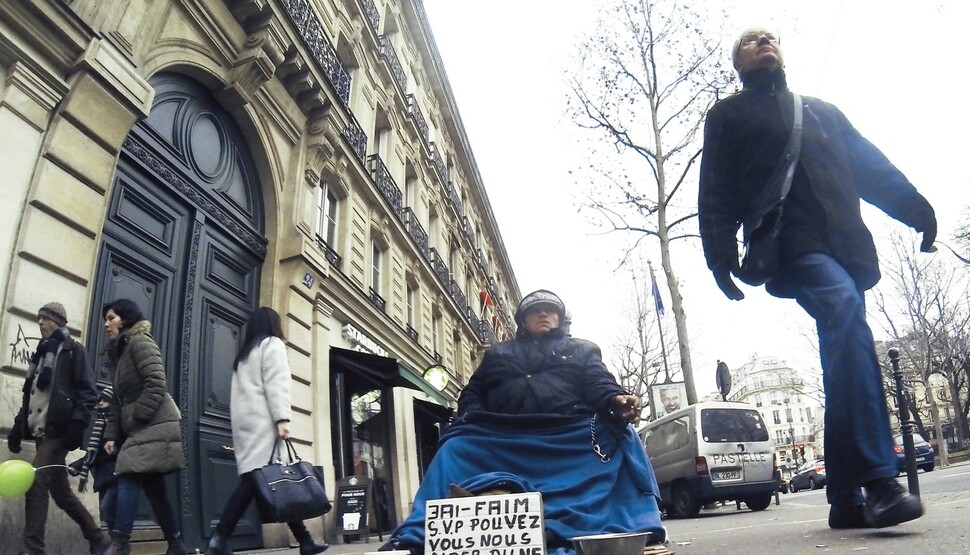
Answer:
(327, 206)
(377, 267)
(436, 334)
(411, 296)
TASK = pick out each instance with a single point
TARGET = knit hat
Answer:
(536, 298)
(53, 311)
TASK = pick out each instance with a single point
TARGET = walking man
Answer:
(57, 398)
(826, 254)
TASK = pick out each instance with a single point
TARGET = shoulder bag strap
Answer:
(794, 146)
(778, 185)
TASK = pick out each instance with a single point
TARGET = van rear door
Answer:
(736, 444)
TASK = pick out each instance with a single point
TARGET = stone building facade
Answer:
(204, 158)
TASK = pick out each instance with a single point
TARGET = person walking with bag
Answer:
(825, 258)
(143, 429)
(259, 409)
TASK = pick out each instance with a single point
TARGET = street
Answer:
(799, 524)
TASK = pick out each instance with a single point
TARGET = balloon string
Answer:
(51, 466)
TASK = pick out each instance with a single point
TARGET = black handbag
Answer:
(290, 491)
(762, 230)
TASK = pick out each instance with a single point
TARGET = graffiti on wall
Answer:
(20, 349)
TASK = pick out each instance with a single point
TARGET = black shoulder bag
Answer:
(291, 490)
(762, 230)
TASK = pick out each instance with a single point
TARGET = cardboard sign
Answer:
(485, 525)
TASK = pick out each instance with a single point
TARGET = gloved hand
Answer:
(929, 236)
(726, 283)
(13, 441)
(72, 439)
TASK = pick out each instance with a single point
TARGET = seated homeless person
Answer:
(543, 414)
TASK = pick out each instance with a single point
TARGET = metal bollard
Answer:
(905, 424)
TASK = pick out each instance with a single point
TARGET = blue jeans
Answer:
(858, 440)
(108, 505)
(129, 486)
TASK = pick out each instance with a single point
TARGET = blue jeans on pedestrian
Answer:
(129, 486)
(858, 440)
(108, 505)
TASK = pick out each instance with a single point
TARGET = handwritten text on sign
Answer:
(485, 525)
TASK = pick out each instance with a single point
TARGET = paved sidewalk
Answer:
(335, 549)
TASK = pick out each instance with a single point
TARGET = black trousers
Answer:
(240, 499)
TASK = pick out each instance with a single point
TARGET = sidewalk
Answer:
(335, 549)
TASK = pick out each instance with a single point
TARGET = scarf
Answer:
(42, 361)
(94, 441)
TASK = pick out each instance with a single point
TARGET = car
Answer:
(782, 482)
(925, 455)
(810, 475)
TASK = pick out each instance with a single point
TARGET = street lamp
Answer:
(791, 431)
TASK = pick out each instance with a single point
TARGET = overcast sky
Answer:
(891, 66)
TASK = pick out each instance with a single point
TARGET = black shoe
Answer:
(310, 547)
(218, 545)
(847, 516)
(888, 504)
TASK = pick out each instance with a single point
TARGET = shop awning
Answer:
(384, 370)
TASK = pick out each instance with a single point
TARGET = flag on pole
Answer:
(656, 294)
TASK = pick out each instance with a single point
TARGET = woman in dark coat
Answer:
(144, 428)
(260, 413)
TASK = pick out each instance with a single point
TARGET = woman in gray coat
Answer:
(260, 413)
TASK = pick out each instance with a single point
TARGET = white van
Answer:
(711, 451)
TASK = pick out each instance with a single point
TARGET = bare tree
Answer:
(923, 306)
(642, 86)
(637, 353)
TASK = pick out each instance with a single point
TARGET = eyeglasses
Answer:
(754, 38)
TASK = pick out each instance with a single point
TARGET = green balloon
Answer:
(16, 476)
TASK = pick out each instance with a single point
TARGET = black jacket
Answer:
(73, 394)
(553, 375)
(744, 139)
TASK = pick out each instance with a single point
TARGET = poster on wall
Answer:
(668, 397)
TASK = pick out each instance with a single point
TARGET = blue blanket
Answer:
(552, 455)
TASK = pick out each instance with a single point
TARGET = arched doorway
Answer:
(184, 238)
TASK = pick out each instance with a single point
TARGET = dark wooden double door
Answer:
(183, 237)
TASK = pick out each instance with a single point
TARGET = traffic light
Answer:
(801, 450)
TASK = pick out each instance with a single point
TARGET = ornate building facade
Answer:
(788, 404)
(207, 158)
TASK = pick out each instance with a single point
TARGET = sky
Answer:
(890, 66)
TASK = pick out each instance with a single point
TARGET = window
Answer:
(409, 300)
(326, 215)
(788, 415)
(436, 333)
(376, 265)
(777, 416)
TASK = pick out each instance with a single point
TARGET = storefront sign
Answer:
(353, 501)
(485, 525)
(362, 342)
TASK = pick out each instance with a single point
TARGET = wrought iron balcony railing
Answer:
(393, 63)
(376, 299)
(439, 267)
(438, 161)
(418, 118)
(354, 134)
(385, 183)
(311, 32)
(371, 14)
(328, 251)
(414, 229)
